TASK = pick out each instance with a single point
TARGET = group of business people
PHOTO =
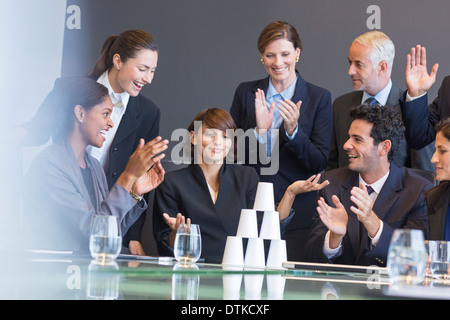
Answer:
(105, 140)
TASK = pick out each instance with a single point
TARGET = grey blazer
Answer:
(58, 204)
(408, 157)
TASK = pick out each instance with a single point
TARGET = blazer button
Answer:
(114, 174)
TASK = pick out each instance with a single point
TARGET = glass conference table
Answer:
(64, 276)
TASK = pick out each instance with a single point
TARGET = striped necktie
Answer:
(371, 101)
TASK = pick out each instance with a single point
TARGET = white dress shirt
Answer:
(120, 102)
(381, 96)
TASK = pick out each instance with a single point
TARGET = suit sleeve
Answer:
(420, 120)
(135, 231)
(165, 202)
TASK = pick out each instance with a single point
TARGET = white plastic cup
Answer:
(253, 286)
(277, 254)
(275, 286)
(270, 228)
(264, 200)
(234, 252)
(232, 283)
(254, 254)
(248, 225)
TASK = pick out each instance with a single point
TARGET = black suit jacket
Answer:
(438, 200)
(141, 120)
(186, 191)
(306, 154)
(420, 121)
(406, 156)
(400, 204)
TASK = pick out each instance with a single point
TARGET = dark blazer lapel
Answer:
(129, 122)
(438, 212)
(389, 193)
(394, 96)
(221, 204)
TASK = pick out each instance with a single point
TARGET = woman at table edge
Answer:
(438, 198)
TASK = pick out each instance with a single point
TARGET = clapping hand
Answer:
(335, 219)
(264, 117)
(418, 81)
(290, 112)
(150, 180)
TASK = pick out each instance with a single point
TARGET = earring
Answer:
(81, 120)
(297, 59)
(262, 61)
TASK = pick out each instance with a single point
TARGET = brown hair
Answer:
(444, 127)
(278, 30)
(213, 118)
(127, 44)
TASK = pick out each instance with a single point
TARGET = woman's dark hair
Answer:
(444, 127)
(387, 125)
(56, 112)
(278, 30)
(127, 44)
(213, 118)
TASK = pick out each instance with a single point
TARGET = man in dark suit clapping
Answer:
(366, 201)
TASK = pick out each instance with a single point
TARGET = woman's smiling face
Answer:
(441, 158)
(135, 72)
(96, 122)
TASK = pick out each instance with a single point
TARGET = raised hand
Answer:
(311, 184)
(150, 180)
(363, 209)
(145, 156)
(290, 112)
(335, 219)
(264, 117)
(418, 81)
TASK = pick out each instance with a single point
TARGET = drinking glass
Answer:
(406, 263)
(439, 257)
(188, 243)
(105, 241)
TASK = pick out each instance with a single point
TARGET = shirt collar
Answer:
(115, 97)
(381, 96)
(377, 185)
(288, 93)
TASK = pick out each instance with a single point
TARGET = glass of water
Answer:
(406, 263)
(439, 258)
(105, 241)
(188, 243)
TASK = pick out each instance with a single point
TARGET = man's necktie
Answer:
(361, 225)
(371, 101)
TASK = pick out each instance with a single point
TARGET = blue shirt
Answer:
(272, 95)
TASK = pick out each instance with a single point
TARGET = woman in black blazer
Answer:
(438, 198)
(211, 192)
(301, 111)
